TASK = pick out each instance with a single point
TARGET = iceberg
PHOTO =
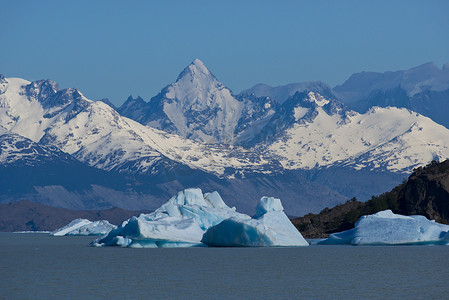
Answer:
(84, 227)
(387, 228)
(269, 227)
(181, 222)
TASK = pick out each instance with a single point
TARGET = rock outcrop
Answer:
(426, 192)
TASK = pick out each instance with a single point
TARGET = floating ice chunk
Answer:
(94, 228)
(84, 227)
(269, 227)
(73, 225)
(385, 227)
(181, 222)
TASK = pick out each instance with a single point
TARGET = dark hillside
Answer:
(426, 192)
(31, 216)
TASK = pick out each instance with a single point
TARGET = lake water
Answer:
(38, 266)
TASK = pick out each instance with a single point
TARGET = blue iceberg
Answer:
(387, 228)
(190, 218)
(181, 222)
(269, 227)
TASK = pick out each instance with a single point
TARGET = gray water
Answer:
(37, 266)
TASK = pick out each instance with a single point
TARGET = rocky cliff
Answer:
(426, 192)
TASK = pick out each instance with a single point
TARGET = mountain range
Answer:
(304, 143)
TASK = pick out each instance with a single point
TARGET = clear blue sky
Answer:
(116, 48)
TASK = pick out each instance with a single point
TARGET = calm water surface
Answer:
(37, 266)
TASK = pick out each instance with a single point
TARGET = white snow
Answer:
(316, 98)
(390, 139)
(300, 112)
(386, 139)
(97, 135)
(268, 228)
(212, 111)
(385, 227)
(84, 227)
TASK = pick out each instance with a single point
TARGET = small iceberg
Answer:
(181, 222)
(387, 228)
(84, 227)
(269, 227)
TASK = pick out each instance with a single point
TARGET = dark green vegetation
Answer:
(426, 192)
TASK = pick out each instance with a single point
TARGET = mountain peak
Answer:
(316, 98)
(41, 89)
(199, 65)
(196, 69)
(283, 92)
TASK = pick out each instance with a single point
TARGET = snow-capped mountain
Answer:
(197, 106)
(207, 137)
(298, 109)
(49, 176)
(326, 134)
(257, 111)
(96, 134)
(281, 93)
(18, 150)
(305, 132)
(424, 89)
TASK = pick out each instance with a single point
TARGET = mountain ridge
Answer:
(308, 137)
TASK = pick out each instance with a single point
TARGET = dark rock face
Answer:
(339, 218)
(426, 193)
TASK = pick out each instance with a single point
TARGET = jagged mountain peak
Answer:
(133, 100)
(40, 90)
(196, 106)
(195, 83)
(197, 67)
(283, 92)
(195, 71)
(301, 103)
(315, 99)
(19, 150)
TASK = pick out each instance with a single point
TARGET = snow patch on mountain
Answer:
(15, 148)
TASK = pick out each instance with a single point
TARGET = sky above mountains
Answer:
(110, 49)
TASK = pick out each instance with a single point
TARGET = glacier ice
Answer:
(387, 228)
(84, 227)
(181, 222)
(187, 216)
(269, 227)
